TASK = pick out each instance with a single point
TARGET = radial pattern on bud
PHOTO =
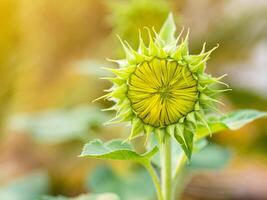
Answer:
(162, 89)
(162, 92)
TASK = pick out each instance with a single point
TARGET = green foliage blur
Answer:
(51, 59)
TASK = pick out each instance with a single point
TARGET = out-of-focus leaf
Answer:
(237, 35)
(28, 187)
(211, 157)
(128, 17)
(232, 121)
(84, 197)
(92, 67)
(199, 145)
(247, 98)
(137, 184)
(114, 150)
(58, 126)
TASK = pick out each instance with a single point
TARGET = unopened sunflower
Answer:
(162, 89)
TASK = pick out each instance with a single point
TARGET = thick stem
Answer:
(166, 173)
(155, 179)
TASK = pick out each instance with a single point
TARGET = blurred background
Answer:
(51, 54)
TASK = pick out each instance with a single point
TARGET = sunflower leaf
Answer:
(232, 121)
(212, 156)
(115, 150)
(135, 185)
(108, 196)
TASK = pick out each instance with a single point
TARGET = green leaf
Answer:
(135, 185)
(211, 157)
(27, 187)
(199, 145)
(59, 126)
(91, 67)
(114, 150)
(232, 121)
(168, 30)
(84, 197)
(236, 120)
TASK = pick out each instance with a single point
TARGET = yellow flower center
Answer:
(161, 92)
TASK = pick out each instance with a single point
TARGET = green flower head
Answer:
(162, 89)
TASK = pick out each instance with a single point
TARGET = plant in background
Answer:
(167, 96)
(127, 17)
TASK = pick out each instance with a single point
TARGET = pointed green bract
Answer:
(162, 89)
(167, 32)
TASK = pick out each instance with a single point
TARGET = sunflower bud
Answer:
(162, 89)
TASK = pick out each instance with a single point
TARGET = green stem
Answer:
(166, 164)
(155, 179)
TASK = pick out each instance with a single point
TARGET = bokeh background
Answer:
(51, 54)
